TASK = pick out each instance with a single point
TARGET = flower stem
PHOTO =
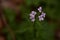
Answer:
(34, 31)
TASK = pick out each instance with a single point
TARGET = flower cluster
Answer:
(32, 16)
(41, 17)
(40, 9)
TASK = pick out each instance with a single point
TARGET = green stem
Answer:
(34, 31)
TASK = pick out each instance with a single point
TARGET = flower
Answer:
(32, 16)
(42, 16)
(40, 9)
(32, 20)
(33, 13)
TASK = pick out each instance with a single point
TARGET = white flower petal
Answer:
(41, 19)
(40, 9)
(32, 20)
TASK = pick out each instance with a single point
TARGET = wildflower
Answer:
(32, 16)
(33, 13)
(40, 9)
(42, 16)
(32, 20)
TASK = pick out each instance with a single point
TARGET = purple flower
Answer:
(40, 9)
(33, 13)
(32, 20)
(42, 16)
(32, 16)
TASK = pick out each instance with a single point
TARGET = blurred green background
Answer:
(24, 30)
